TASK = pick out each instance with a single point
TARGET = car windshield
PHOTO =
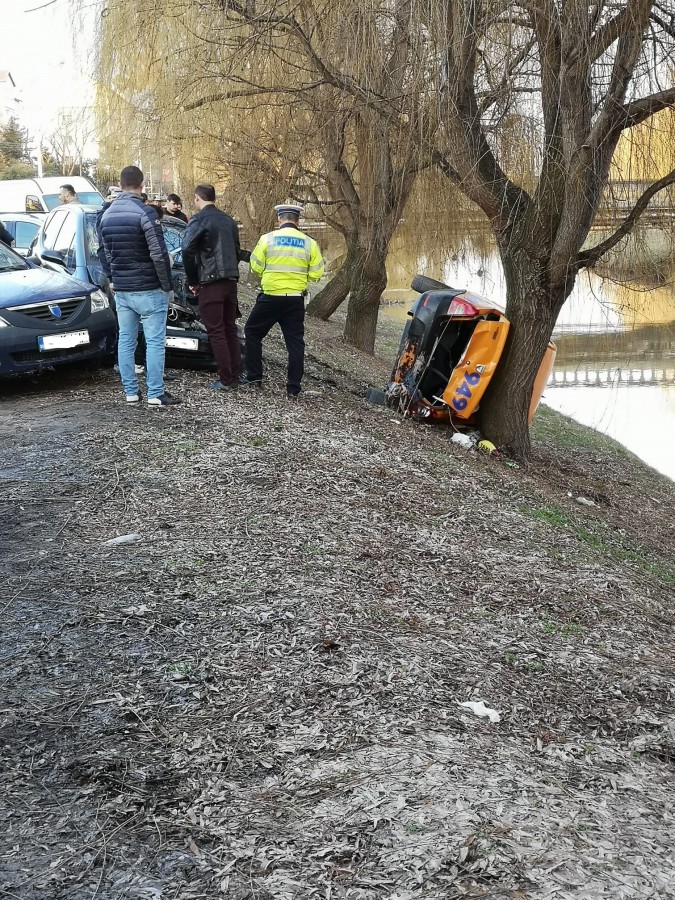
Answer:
(173, 238)
(88, 198)
(10, 262)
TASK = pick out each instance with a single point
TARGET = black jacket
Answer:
(5, 236)
(135, 251)
(211, 250)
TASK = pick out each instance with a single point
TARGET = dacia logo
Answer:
(55, 310)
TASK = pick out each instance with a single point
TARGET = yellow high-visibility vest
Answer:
(286, 260)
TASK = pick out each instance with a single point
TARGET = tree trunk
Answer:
(369, 279)
(336, 291)
(532, 309)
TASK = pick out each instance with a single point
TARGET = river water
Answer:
(615, 368)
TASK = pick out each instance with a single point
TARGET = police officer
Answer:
(285, 260)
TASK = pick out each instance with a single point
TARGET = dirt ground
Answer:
(257, 696)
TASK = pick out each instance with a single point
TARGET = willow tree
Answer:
(238, 73)
(362, 159)
(586, 73)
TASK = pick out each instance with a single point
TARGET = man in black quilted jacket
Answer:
(140, 273)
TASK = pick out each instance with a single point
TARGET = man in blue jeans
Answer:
(139, 270)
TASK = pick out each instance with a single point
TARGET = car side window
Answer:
(25, 232)
(52, 229)
(70, 255)
(90, 236)
(65, 239)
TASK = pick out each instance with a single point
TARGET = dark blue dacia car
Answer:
(67, 242)
(49, 318)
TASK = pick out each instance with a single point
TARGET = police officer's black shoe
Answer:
(246, 382)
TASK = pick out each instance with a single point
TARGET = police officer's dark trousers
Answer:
(289, 312)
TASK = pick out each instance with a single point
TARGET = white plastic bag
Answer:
(480, 709)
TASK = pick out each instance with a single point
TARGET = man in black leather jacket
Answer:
(211, 255)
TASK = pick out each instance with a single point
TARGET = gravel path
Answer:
(257, 696)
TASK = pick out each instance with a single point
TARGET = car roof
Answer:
(74, 209)
(52, 181)
(22, 217)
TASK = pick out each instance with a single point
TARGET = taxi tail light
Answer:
(461, 308)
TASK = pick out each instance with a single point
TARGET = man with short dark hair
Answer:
(211, 255)
(67, 194)
(174, 207)
(140, 273)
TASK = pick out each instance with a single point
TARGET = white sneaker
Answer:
(133, 398)
(164, 400)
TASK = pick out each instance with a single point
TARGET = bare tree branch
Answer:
(639, 110)
(591, 256)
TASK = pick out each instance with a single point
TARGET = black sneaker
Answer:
(246, 382)
(290, 396)
(219, 386)
(164, 400)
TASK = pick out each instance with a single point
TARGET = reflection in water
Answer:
(605, 331)
(641, 417)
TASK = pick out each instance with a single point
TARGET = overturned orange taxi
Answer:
(449, 351)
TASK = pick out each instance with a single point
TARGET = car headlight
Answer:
(3, 323)
(99, 301)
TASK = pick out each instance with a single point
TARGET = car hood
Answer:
(38, 286)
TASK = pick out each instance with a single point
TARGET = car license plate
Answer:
(179, 343)
(58, 341)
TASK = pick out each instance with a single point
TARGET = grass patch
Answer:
(610, 545)
(565, 629)
(551, 514)
(593, 540)
(564, 433)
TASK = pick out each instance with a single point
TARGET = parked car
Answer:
(449, 351)
(35, 195)
(68, 242)
(49, 318)
(24, 228)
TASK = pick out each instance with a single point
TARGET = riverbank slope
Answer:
(258, 695)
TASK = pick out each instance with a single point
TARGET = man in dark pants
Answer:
(211, 255)
(286, 261)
